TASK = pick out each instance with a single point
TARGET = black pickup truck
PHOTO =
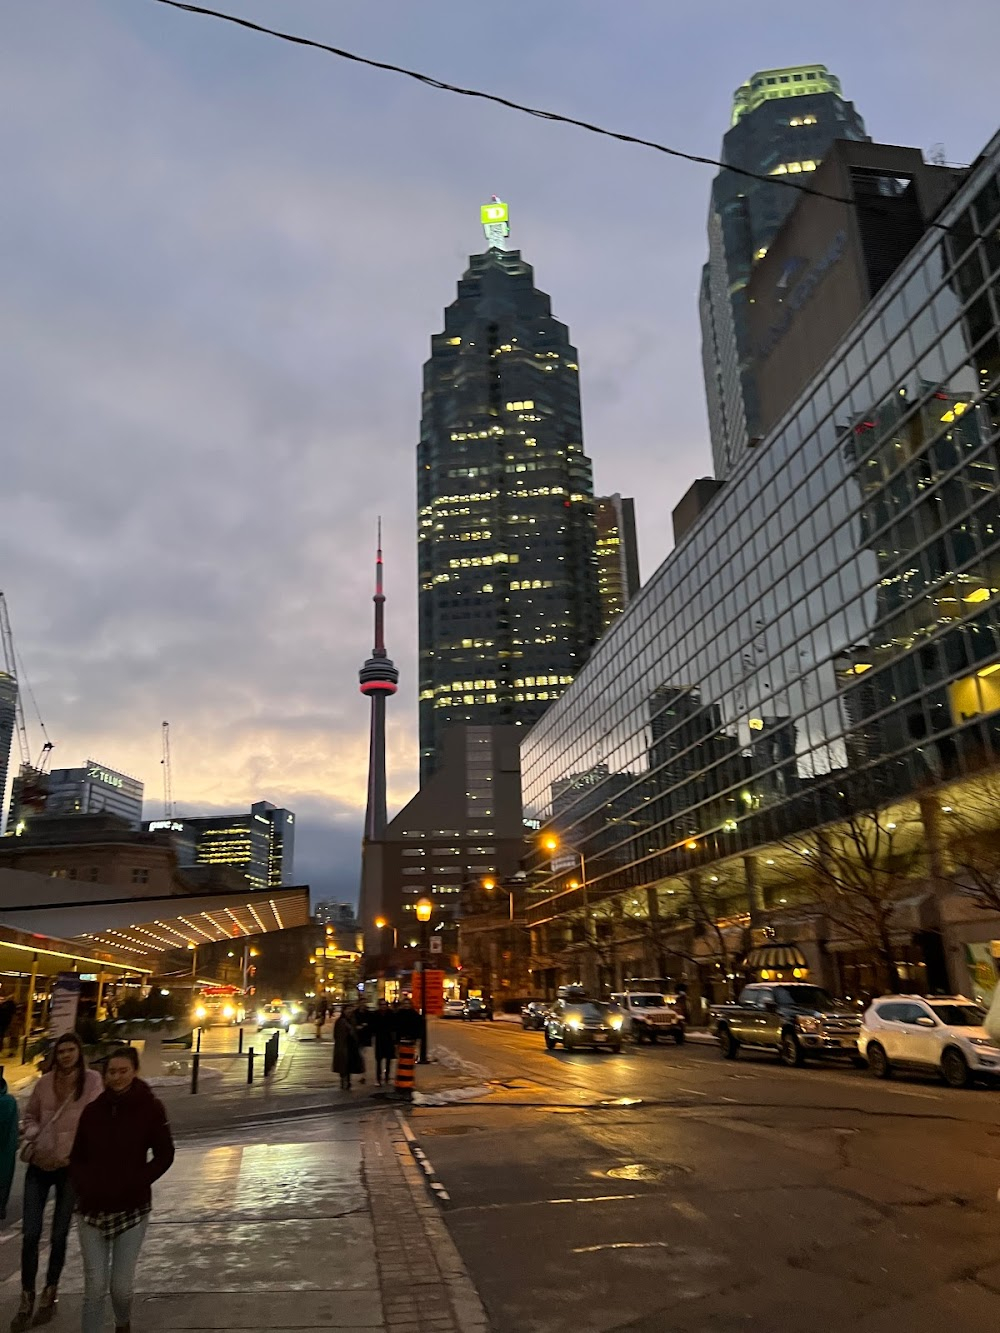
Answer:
(795, 1020)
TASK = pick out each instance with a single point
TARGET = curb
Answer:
(470, 1315)
(422, 1160)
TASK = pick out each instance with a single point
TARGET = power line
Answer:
(431, 82)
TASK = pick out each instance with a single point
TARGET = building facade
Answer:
(824, 640)
(508, 596)
(617, 555)
(259, 844)
(783, 123)
(462, 826)
(831, 257)
(91, 789)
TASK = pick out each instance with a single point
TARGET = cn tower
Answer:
(378, 678)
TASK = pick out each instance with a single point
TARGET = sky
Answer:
(222, 258)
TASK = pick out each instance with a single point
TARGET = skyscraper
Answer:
(8, 715)
(783, 122)
(617, 555)
(509, 605)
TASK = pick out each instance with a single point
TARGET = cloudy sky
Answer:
(222, 258)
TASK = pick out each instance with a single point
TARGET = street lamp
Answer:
(423, 908)
(552, 844)
(381, 924)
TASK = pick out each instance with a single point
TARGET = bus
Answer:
(219, 1006)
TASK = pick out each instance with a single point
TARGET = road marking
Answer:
(694, 1092)
(689, 1211)
(623, 1245)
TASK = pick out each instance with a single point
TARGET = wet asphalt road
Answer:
(718, 1196)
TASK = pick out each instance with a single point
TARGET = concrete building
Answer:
(821, 647)
(783, 124)
(830, 258)
(617, 555)
(463, 825)
(508, 596)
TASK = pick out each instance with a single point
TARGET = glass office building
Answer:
(783, 123)
(509, 605)
(828, 631)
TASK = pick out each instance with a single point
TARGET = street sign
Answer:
(436, 944)
(434, 981)
(64, 1003)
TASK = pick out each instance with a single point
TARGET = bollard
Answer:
(195, 1062)
(241, 1040)
(250, 1065)
(198, 1047)
(405, 1059)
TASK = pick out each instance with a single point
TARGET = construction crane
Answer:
(168, 785)
(33, 782)
(10, 667)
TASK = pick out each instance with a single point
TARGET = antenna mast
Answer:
(168, 785)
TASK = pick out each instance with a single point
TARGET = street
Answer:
(725, 1196)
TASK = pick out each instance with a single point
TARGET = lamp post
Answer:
(382, 924)
(552, 844)
(423, 909)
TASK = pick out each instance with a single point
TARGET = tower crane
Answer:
(34, 787)
(168, 785)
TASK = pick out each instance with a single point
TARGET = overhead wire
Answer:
(786, 181)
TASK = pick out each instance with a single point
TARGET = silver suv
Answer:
(942, 1033)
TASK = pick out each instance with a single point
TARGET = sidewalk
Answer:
(325, 1225)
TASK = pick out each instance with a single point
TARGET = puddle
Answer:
(643, 1171)
(430, 1130)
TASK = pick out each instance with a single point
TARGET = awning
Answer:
(776, 957)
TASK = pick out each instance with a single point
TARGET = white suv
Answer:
(944, 1033)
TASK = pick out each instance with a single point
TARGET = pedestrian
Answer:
(8, 1143)
(320, 1020)
(362, 1025)
(123, 1144)
(383, 1028)
(681, 1002)
(346, 1053)
(54, 1110)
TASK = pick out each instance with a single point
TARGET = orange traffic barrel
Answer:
(405, 1060)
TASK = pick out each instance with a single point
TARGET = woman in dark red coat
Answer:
(122, 1145)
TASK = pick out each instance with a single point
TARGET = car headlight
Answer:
(616, 1023)
(201, 1012)
(229, 1012)
(261, 1016)
(573, 1023)
(805, 1024)
(984, 1043)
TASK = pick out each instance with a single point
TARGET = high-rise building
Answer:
(8, 715)
(259, 844)
(783, 122)
(509, 605)
(617, 555)
(89, 790)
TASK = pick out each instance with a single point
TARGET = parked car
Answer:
(534, 1014)
(648, 1016)
(453, 1009)
(475, 1008)
(584, 1023)
(943, 1033)
(794, 1019)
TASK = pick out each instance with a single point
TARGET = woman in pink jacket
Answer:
(50, 1123)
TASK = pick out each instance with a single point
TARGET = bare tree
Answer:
(855, 872)
(970, 863)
